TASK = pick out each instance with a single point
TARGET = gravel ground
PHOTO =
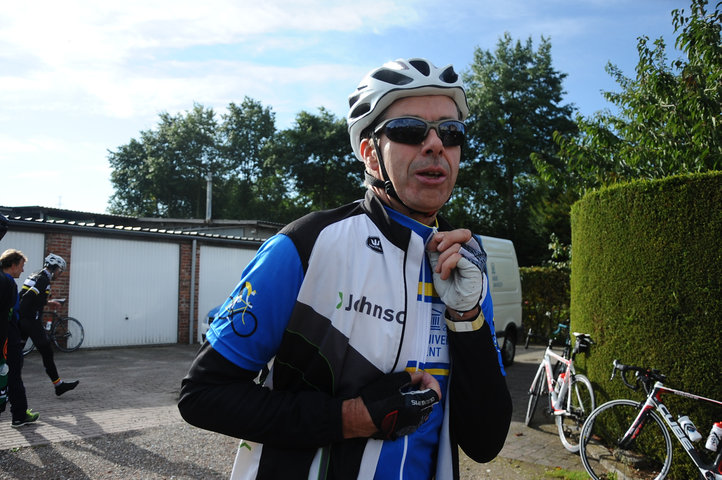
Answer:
(181, 452)
(177, 451)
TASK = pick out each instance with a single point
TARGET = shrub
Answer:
(545, 298)
(645, 283)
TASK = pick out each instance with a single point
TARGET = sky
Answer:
(80, 78)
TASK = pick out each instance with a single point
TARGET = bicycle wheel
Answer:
(28, 347)
(67, 334)
(537, 389)
(579, 403)
(647, 457)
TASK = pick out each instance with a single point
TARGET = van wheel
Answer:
(508, 348)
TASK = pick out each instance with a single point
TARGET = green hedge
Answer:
(645, 283)
(545, 298)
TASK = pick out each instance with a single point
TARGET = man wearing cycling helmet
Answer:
(34, 295)
(375, 316)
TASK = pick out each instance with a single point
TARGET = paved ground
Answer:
(131, 389)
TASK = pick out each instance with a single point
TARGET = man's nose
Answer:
(432, 143)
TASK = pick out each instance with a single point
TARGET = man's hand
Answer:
(392, 406)
(457, 269)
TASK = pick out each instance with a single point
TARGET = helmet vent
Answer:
(359, 111)
(394, 78)
(449, 75)
(422, 66)
(353, 99)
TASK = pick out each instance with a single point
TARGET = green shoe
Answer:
(30, 417)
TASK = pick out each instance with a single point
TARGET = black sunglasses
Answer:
(413, 131)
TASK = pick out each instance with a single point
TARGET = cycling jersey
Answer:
(34, 294)
(337, 299)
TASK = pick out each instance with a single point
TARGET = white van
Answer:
(503, 272)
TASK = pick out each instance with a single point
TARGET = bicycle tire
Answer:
(647, 457)
(28, 347)
(579, 402)
(67, 334)
(537, 387)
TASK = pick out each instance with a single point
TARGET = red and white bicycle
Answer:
(570, 394)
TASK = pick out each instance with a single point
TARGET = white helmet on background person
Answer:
(401, 78)
(53, 260)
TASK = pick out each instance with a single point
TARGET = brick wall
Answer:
(184, 292)
(60, 244)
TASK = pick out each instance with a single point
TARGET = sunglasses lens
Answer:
(452, 133)
(410, 131)
(413, 131)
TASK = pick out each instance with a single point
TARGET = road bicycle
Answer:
(570, 394)
(66, 333)
(628, 439)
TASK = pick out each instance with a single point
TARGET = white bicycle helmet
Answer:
(401, 78)
(53, 260)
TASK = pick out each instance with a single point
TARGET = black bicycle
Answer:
(66, 333)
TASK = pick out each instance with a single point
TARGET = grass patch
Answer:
(566, 474)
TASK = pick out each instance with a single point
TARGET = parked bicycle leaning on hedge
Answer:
(570, 394)
(628, 439)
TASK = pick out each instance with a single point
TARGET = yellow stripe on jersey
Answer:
(426, 289)
(433, 371)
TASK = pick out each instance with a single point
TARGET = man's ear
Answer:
(368, 153)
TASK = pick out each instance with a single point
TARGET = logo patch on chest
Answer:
(374, 243)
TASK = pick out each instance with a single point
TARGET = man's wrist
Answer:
(356, 419)
(464, 321)
(456, 315)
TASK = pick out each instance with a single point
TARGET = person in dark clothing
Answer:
(34, 295)
(12, 263)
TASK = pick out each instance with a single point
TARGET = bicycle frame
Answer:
(654, 402)
(546, 364)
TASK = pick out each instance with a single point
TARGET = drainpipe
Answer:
(192, 319)
(209, 192)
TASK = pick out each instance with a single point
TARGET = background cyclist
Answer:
(34, 295)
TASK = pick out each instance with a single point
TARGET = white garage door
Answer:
(125, 292)
(219, 272)
(31, 244)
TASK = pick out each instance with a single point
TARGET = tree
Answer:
(668, 118)
(315, 159)
(243, 187)
(515, 100)
(163, 174)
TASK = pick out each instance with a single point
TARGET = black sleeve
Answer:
(480, 403)
(32, 302)
(5, 308)
(218, 395)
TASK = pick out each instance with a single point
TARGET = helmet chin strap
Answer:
(387, 186)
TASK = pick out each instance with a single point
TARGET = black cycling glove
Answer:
(395, 410)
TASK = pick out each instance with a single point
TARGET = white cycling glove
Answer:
(463, 289)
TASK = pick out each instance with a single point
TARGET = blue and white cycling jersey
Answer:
(337, 302)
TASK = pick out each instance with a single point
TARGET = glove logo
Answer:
(374, 243)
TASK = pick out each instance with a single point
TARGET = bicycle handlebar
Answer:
(550, 338)
(645, 376)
